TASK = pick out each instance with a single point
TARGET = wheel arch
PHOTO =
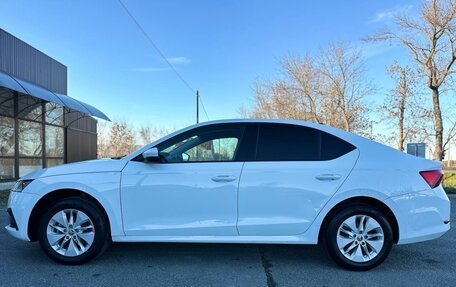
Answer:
(53, 196)
(385, 209)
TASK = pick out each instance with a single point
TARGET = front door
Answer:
(192, 191)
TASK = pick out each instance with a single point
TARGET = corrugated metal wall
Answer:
(80, 145)
(22, 60)
(81, 135)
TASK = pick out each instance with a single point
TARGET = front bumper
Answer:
(11, 219)
(422, 215)
(20, 205)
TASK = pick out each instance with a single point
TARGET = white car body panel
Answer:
(180, 199)
(283, 198)
(421, 214)
(20, 203)
(205, 214)
(103, 186)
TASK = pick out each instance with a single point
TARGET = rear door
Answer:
(295, 171)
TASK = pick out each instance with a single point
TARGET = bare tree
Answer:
(304, 86)
(145, 134)
(345, 88)
(148, 134)
(118, 142)
(328, 89)
(402, 106)
(293, 97)
(121, 139)
(102, 139)
(430, 38)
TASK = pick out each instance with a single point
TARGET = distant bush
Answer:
(449, 182)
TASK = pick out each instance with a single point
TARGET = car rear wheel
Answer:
(73, 231)
(359, 237)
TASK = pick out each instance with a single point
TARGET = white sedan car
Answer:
(238, 181)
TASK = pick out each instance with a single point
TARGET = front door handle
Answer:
(223, 178)
(328, 177)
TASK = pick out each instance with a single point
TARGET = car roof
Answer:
(332, 130)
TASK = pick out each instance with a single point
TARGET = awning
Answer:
(25, 87)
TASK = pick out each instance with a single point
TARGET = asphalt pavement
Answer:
(431, 263)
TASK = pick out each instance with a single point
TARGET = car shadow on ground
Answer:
(185, 264)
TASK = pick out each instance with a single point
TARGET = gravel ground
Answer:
(424, 264)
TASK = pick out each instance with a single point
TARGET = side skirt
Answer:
(216, 239)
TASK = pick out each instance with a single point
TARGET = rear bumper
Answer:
(421, 216)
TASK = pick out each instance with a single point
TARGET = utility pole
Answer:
(197, 106)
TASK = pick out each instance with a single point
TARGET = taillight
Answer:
(432, 177)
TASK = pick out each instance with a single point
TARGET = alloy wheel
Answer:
(70, 232)
(360, 238)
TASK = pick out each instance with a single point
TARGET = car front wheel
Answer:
(359, 237)
(73, 231)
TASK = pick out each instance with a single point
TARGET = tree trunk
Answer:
(400, 127)
(400, 130)
(438, 150)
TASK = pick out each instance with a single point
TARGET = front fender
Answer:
(103, 186)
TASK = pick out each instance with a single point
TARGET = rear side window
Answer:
(281, 142)
(278, 142)
(333, 147)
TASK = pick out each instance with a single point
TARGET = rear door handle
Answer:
(328, 177)
(223, 178)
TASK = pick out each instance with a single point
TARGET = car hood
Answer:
(90, 166)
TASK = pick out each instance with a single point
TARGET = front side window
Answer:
(204, 145)
(213, 150)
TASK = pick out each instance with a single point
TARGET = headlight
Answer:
(20, 185)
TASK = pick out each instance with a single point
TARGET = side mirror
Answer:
(151, 155)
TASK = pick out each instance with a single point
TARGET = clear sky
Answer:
(219, 47)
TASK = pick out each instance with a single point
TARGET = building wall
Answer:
(81, 137)
(30, 129)
(24, 61)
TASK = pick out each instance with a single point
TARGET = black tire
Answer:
(332, 228)
(101, 239)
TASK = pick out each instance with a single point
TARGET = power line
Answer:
(204, 108)
(155, 46)
(151, 42)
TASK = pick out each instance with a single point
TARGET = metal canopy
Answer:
(25, 87)
(81, 107)
(8, 82)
